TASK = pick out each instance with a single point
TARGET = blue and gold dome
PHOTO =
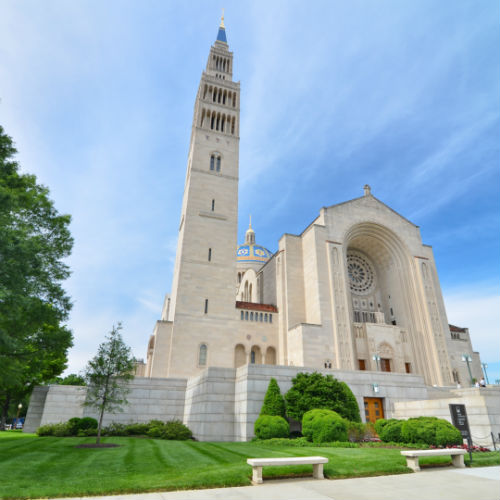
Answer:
(250, 252)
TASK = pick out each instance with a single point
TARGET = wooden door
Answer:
(374, 409)
(385, 364)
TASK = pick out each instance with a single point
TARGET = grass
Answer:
(32, 467)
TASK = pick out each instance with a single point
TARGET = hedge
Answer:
(271, 426)
(322, 426)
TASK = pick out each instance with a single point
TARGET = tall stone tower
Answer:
(205, 267)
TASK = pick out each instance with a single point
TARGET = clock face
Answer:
(361, 273)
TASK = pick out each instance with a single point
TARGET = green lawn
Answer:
(32, 467)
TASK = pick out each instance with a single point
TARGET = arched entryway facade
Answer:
(387, 306)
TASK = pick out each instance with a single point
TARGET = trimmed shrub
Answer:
(114, 429)
(274, 404)
(87, 432)
(74, 425)
(430, 430)
(88, 423)
(174, 430)
(447, 434)
(380, 423)
(321, 426)
(391, 431)
(138, 429)
(311, 391)
(58, 430)
(271, 426)
(45, 430)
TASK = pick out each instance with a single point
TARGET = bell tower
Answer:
(202, 305)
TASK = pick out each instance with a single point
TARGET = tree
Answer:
(34, 240)
(107, 376)
(312, 391)
(274, 404)
(71, 379)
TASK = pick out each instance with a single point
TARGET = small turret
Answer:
(250, 234)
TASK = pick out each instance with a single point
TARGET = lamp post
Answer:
(468, 359)
(19, 406)
(485, 366)
(376, 358)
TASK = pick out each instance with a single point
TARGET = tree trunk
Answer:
(5, 409)
(98, 440)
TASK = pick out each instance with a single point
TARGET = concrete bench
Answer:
(258, 463)
(412, 456)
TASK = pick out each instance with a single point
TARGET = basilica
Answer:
(356, 290)
(356, 295)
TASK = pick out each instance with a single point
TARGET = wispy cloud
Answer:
(99, 99)
(477, 307)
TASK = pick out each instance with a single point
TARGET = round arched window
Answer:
(361, 273)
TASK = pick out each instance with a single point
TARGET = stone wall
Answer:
(222, 404)
(209, 409)
(482, 407)
(149, 398)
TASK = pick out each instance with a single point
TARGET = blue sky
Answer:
(402, 95)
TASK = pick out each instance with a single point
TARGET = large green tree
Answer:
(34, 240)
(107, 376)
(311, 391)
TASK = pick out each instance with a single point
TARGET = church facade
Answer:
(355, 295)
(356, 290)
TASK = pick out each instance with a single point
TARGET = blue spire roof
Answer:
(221, 35)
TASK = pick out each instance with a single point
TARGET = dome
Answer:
(251, 252)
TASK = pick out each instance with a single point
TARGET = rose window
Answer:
(361, 274)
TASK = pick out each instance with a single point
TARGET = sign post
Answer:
(460, 421)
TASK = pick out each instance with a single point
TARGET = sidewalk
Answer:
(482, 483)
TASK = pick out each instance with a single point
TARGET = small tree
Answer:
(107, 376)
(312, 391)
(274, 404)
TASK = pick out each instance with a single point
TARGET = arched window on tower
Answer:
(202, 355)
(218, 164)
(212, 162)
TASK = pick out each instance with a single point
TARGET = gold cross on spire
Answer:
(222, 20)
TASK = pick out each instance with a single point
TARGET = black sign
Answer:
(459, 420)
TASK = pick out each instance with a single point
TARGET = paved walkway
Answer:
(482, 483)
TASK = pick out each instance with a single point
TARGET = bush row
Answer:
(81, 427)
(318, 426)
(430, 430)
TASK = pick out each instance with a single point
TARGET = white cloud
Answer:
(477, 307)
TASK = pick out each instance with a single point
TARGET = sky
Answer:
(402, 95)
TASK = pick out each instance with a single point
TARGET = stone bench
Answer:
(412, 456)
(258, 463)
